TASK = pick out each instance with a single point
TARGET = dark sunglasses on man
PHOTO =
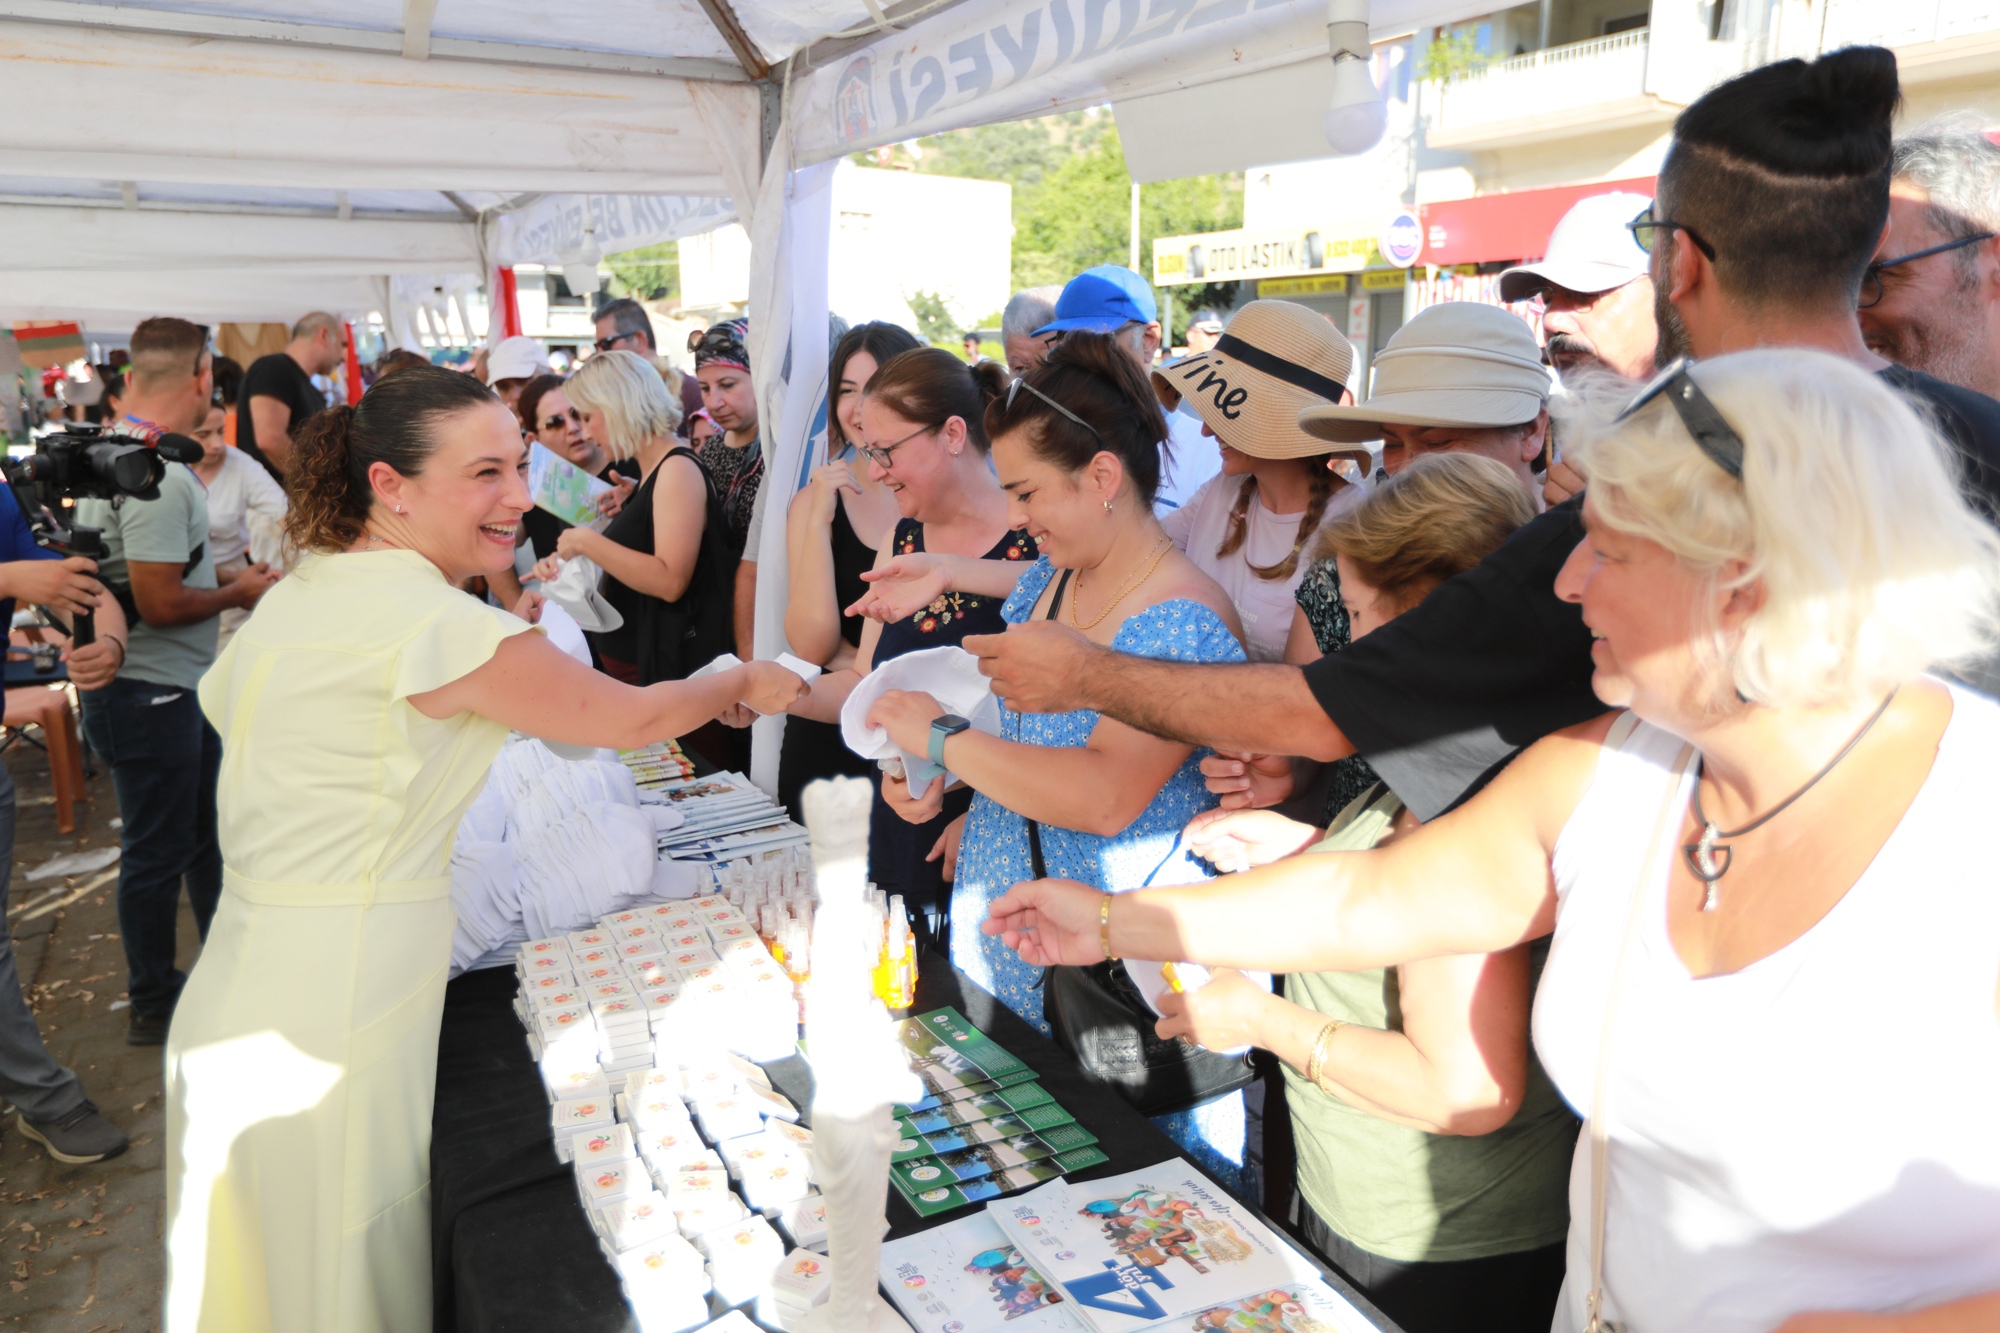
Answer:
(611, 344)
(1646, 231)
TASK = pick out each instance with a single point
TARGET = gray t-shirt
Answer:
(168, 530)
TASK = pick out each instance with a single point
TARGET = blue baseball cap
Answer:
(1103, 300)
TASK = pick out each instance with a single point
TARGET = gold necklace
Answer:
(1159, 554)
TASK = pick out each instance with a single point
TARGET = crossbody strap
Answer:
(1600, 1100)
(1035, 861)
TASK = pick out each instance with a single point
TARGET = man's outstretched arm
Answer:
(1042, 667)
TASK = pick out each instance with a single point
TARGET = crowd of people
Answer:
(1592, 731)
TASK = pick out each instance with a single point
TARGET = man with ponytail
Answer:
(146, 723)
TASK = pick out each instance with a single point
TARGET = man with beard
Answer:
(1596, 293)
(1770, 206)
(1931, 299)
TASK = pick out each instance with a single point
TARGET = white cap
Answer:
(516, 358)
(1589, 251)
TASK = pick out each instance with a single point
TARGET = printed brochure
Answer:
(949, 1054)
(964, 1277)
(931, 1115)
(944, 1198)
(1151, 1245)
(562, 488)
(913, 1142)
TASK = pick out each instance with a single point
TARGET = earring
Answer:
(1107, 506)
(399, 508)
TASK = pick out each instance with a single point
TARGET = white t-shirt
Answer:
(245, 510)
(1198, 528)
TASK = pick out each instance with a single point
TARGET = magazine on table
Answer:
(1162, 1243)
(966, 1277)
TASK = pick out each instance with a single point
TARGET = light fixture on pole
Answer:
(1356, 118)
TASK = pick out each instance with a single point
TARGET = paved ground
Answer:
(80, 1246)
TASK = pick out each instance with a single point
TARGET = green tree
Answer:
(934, 322)
(650, 273)
(1456, 55)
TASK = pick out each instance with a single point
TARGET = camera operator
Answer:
(164, 756)
(54, 1111)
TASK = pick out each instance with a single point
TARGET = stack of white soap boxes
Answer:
(633, 1024)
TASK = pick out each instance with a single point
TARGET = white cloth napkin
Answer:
(564, 632)
(950, 675)
(575, 589)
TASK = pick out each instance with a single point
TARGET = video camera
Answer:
(83, 462)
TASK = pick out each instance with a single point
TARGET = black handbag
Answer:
(1099, 1017)
(675, 638)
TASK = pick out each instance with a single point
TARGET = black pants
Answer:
(1506, 1293)
(164, 761)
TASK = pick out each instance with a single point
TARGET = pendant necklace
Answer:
(1700, 854)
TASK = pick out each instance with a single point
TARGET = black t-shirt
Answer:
(1441, 697)
(1969, 420)
(544, 528)
(275, 376)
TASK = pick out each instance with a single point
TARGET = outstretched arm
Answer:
(1474, 881)
(533, 686)
(1043, 667)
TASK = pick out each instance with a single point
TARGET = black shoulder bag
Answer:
(1100, 1018)
(677, 637)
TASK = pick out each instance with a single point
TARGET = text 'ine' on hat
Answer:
(1274, 360)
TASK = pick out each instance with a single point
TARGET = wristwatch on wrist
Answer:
(942, 728)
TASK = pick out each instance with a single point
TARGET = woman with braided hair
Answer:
(1251, 527)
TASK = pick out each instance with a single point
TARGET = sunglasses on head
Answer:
(1020, 384)
(1717, 438)
(1871, 281)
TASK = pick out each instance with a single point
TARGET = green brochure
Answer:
(929, 1201)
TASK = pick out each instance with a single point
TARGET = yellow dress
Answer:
(302, 1059)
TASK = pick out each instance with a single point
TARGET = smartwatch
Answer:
(942, 728)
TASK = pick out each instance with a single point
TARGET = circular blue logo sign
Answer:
(1402, 240)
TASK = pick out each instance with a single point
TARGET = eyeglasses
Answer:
(883, 457)
(1871, 281)
(1644, 227)
(611, 344)
(1020, 384)
(558, 422)
(1717, 438)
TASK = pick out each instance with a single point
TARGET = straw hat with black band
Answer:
(1274, 360)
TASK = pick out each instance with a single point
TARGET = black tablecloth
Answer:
(511, 1246)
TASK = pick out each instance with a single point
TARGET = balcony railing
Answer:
(1557, 78)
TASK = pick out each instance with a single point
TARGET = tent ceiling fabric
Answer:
(49, 239)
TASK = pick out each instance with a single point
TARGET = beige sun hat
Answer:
(1274, 360)
(1456, 364)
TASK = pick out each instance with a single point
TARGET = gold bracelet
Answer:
(1316, 1062)
(1104, 929)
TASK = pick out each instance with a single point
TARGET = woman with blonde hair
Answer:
(1432, 1153)
(666, 565)
(359, 712)
(1774, 979)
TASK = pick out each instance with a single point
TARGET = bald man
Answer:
(278, 396)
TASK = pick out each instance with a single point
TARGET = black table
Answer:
(511, 1246)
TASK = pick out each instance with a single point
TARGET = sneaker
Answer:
(79, 1137)
(145, 1031)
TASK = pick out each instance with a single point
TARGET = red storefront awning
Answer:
(1494, 227)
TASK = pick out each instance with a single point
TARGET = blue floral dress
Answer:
(994, 856)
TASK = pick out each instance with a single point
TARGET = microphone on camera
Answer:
(179, 449)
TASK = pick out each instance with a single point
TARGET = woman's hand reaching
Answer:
(1222, 1015)
(1235, 840)
(613, 501)
(903, 586)
(947, 847)
(915, 810)
(766, 686)
(1049, 922)
(547, 568)
(828, 481)
(907, 716)
(1248, 781)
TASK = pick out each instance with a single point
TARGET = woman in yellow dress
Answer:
(359, 711)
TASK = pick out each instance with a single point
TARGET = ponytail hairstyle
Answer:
(1323, 484)
(929, 386)
(1115, 408)
(396, 422)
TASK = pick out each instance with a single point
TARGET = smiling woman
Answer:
(1768, 1141)
(359, 711)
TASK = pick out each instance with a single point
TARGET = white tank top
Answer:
(1820, 1130)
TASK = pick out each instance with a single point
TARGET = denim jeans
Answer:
(164, 761)
(30, 1078)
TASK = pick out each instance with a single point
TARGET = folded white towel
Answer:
(950, 675)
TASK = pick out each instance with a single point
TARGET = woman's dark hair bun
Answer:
(395, 424)
(1098, 380)
(1828, 118)
(992, 379)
